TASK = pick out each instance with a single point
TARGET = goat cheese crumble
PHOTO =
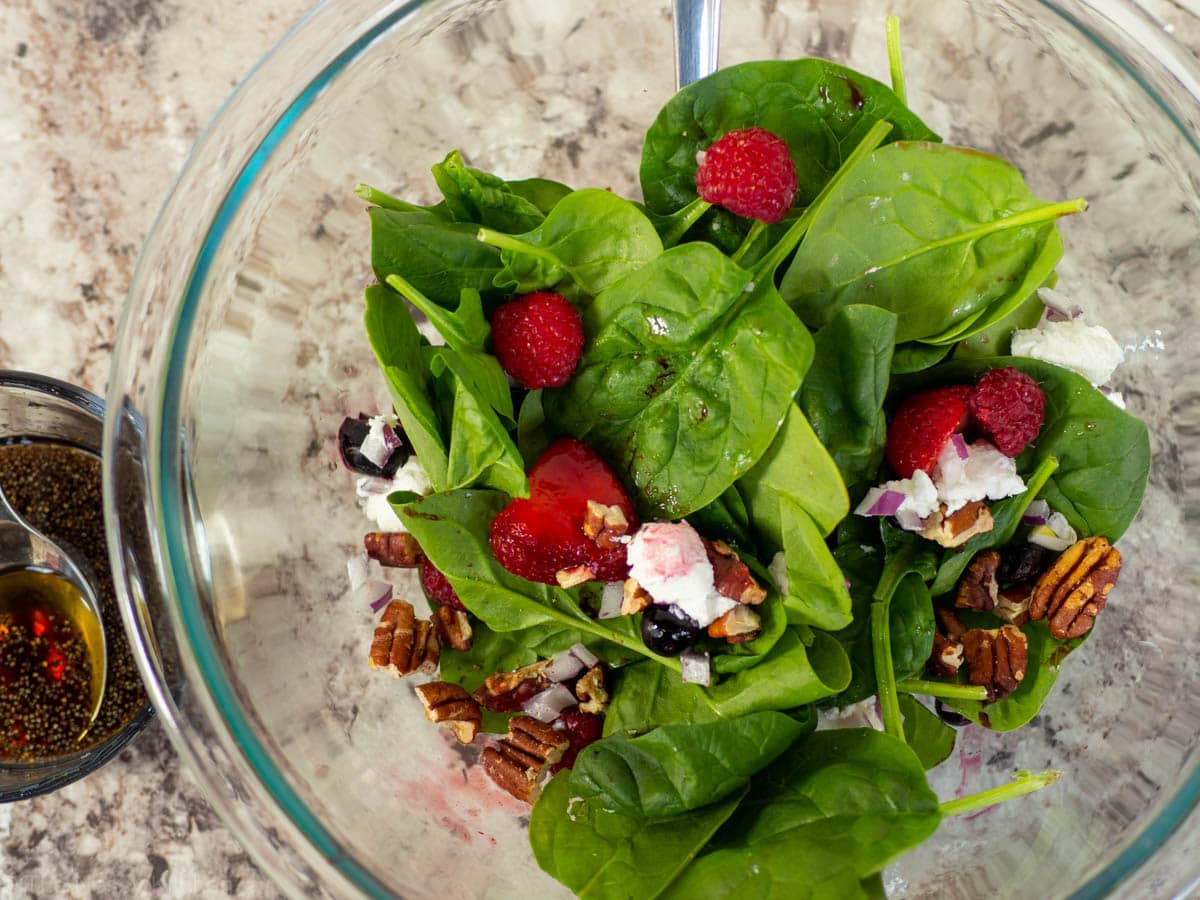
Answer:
(670, 563)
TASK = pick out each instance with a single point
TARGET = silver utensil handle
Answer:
(697, 31)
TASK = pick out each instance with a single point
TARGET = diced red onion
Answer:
(1055, 312)
(391, 440)
(610, 600)
(358, 570)
(370, 486)
(563, 665)
(960, 446)
(1037, 513)
(584, 655)
(374, 593)
(696, 667)
(549, 704)
(887, 504)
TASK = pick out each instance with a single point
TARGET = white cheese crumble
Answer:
(668, 560)
(864, 714)
(986, 474)
(920, 499)
(373, 493)
(1087, 349)
(1057, 534)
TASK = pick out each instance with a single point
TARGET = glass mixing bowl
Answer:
(241, 349)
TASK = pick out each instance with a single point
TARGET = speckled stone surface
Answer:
(99, 102)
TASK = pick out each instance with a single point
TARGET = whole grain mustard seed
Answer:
(56, 489)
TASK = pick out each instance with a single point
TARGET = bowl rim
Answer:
(1127, 16)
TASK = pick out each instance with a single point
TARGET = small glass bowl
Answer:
(37, 408)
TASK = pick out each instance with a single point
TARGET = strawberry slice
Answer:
(922, 425)
(539, 537)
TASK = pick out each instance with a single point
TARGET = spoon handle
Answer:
(697, 33)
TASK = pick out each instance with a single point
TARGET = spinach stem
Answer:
(387, 201)
(885, 674)
(508, 242)
(895, 60)
(684, 219)
(1023, 783)
(756, 229)
(791, 239)
(942, 689)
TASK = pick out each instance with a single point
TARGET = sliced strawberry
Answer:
(539, 537)
(922, 425)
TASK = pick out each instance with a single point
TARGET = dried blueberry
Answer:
(351, 435)
(582, 729)
(950, 716)
(668, 631)
(1020, 563)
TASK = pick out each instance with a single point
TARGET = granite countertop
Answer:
(100, 101)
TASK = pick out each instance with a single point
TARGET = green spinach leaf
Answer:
(685, 374)
(911, 625)
(541, 192)
(939, 235)
(677, 768)
(483, 198)
(603, 855)
(914, 356)
(737, 657)
(930, 738)
(532, 438)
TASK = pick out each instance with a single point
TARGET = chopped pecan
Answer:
(402, 644)
(739, 625)
(592, 691)
(996, 659)
(393, 548)
(1013, 604)
(517, 762)
(977, 589)
(1073, 591)
(732, 576)
(946, 658)
(634, 599)
(449, 704)
(604, 524)
(960, 526)
(453, 628)
(949, 624)
(506, 691)
(569, 578)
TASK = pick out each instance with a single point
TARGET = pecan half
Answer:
(402, 644)
(604, 524)
(449, 704)
(739, 625)
(949, 624)
(453, 628)
(398, 549)
(634, 598)
(1013, 604)
(996, 659)
(517, 762)
(977, 589)
(569, 578)
(1073, 591)
(731, 576)
(946, 658)
(960, 526)
(592, 691)
(506, 691)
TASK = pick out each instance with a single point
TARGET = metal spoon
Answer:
(24, 547)
(697, 32)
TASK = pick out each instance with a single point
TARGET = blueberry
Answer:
(351, 434)
(668, 631)
(949, 716)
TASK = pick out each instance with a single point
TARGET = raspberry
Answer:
(922, 425)
(1009, 407)
(541, 536)
(437, 588)
(538, 339)
(750, 173)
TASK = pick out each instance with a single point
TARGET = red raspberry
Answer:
(750, 173)
(1009, 407)
(437, 587)
(541, 536)
(921, 427)
(538, 339)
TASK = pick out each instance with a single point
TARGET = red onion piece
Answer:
(563, 666)
(1037, 513)
(391, 440)
(584, 655)
(374, 593)
(960, 446)
(696, 668)
(549, 704)
(610, 600)
(887, 504)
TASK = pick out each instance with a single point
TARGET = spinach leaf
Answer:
(541, 192)
(483, 198)
(915, 357)
(452, 529)
(844, 391)
(939, 235)
(861, 564)
(1046, 654)
(603, 855)
(677, 768)
(438, 257)
(481, 451)
(671, 228)
(683, 378)
(404, 359)
(820, 109)
(833, 810)
(726, 519)
(996, 339)
(532, 439)
(816, 591)
(911, 626)
(737, 657)
(930, 738)
(1103, 452)
(591, 236)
